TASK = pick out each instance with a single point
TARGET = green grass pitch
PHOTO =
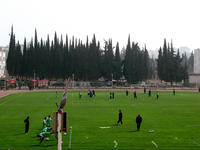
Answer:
(174, 119)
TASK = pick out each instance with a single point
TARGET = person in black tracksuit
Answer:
(149, 92)
(93, 92)
(174, 92)
(157, 95)
(113, 94)
(120, 118)
(126, 92)
(26, 121)
(144, 90)
(135, 95)
(138, 121)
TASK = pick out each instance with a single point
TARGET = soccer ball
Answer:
(65, 133)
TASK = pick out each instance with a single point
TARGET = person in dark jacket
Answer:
(138, 121)
(90, 93)
(157, 95)
(80, 95)
(93, 92)
(110, 95)
(144, 90)
(174, 92)
(120, 118)
(113, 94)
(135, 95)
(26, 121)
(149, 92)
(126, 92)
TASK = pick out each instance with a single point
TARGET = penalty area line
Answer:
(195, 142)
(8, 100)
(154, 143)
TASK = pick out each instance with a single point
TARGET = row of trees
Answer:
(171, 66)
(136, 63)
(57, 59)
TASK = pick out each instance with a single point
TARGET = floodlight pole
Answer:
(73, 80)
(5, 84)
(112, 80)
(59, 130)
(70, 138)
(34, 80)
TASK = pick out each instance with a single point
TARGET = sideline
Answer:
(4, 93)
(9, 100)
(195, 142)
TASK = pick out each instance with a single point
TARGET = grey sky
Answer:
(147, 21)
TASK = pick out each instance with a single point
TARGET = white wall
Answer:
(194, 78)
(3, 55)
(197, 61)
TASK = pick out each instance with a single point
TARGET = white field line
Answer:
(195, 142)
(8, 100)
(192, 125)
(154, 143)
(70, 138)
(137, 147)
(124, 148)
(115, 144)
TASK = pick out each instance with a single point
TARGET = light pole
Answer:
(73, 79)
(5, 83)
(112, 80)
(34, 80)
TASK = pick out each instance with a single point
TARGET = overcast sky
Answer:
(147, 21)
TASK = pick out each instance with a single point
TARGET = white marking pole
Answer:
(154, 143)
(115, 144)
(59, 131)
(70, 138)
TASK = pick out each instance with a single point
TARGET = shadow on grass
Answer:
(20, 134)
(36, 136)
(38, 129)
(133, 131)
(40, 145)
(117, 125)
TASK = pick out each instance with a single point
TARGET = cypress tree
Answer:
(117, 63)
(18, 61)
(160, 64)
(127, 62)
(191, 63)
(108, 60)
(145, 64)
(165, 61)
(24, 60)
(94, 60)
(10, 62)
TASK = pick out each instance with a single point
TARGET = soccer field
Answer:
(174, 119)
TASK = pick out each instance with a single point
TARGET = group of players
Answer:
(135, 93)
(149, 93)
(46, 129)
(91, 93)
